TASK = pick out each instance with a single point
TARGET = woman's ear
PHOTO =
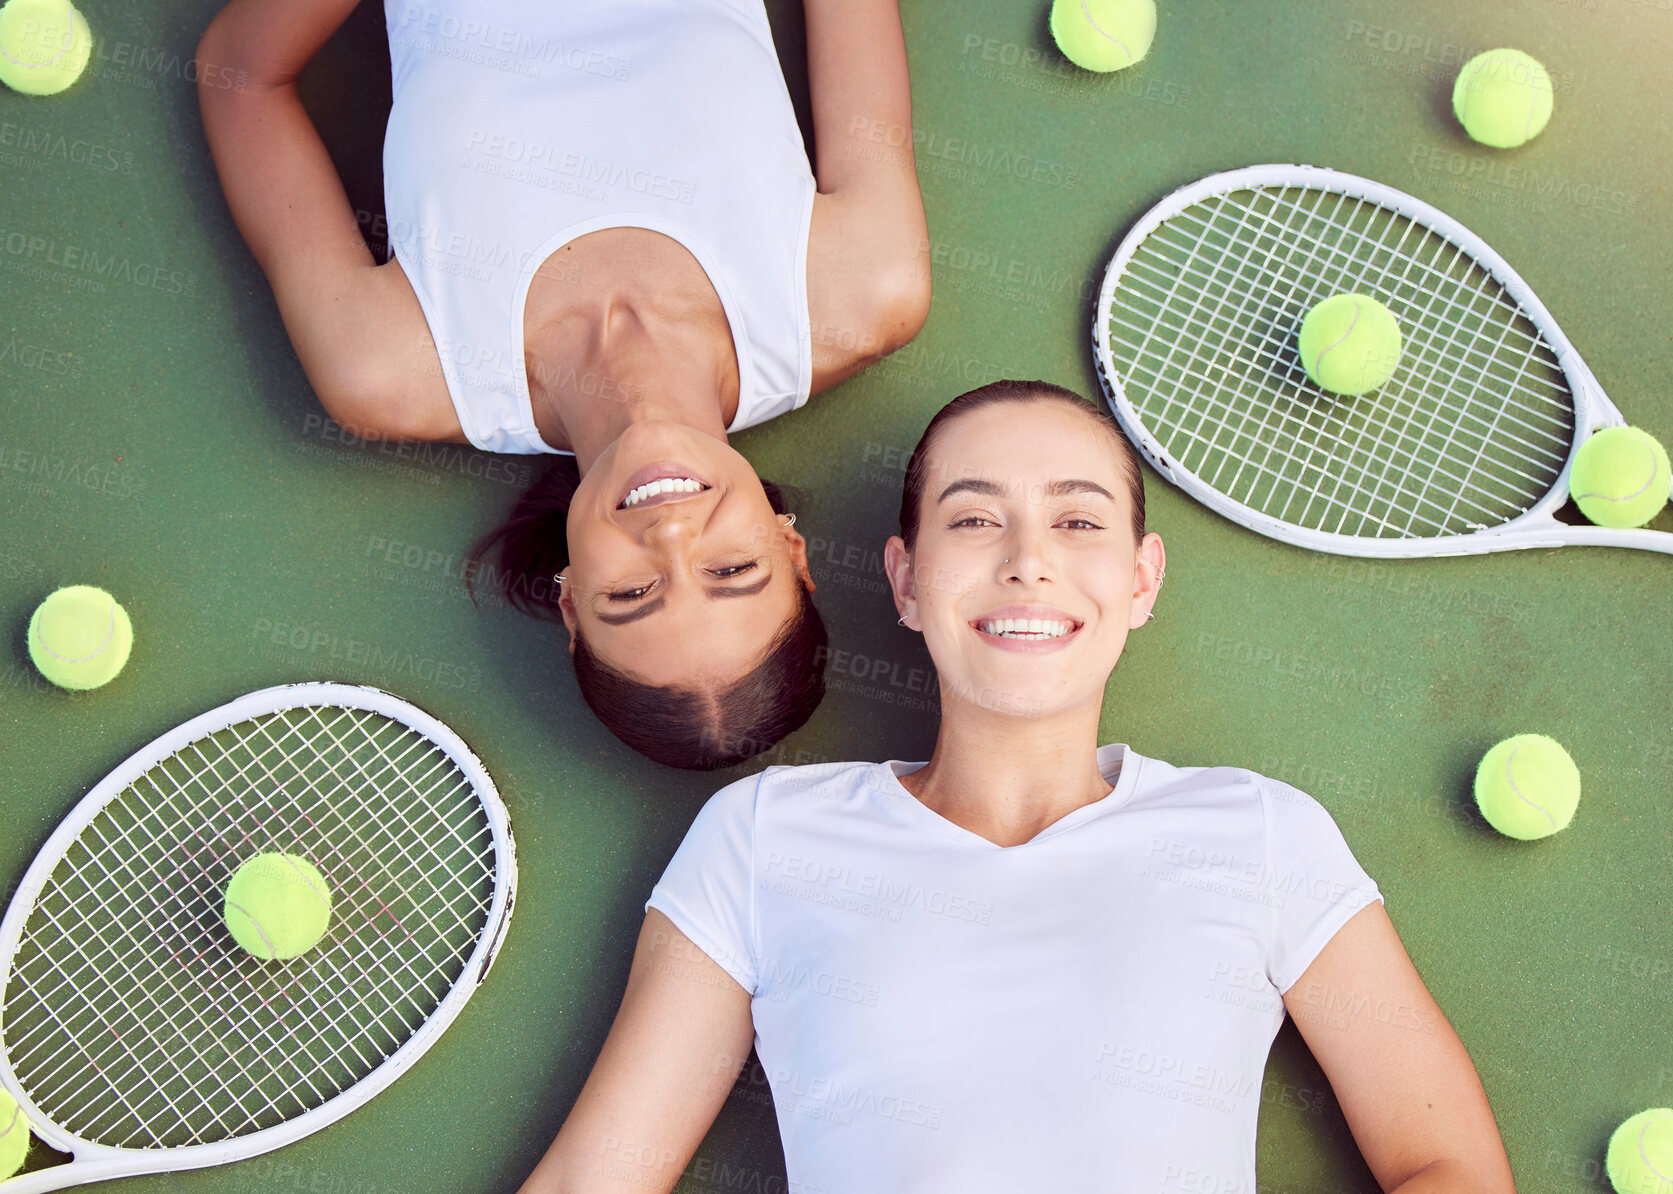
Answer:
(1149, 564)
(566, 605)
(798, 556)
(897, 562)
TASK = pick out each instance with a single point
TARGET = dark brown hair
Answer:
(682, 727)
(1019, 392)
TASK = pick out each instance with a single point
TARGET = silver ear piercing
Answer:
(792, 519)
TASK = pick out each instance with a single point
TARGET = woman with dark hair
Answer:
(607, 243)
(1034, 962)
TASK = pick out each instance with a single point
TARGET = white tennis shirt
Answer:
(1088, 1011)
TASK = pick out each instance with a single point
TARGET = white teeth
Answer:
(1026, 628)
(666, 485)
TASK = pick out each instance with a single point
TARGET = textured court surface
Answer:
(159, 438)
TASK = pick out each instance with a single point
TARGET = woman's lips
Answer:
(664, 471)
(1043, 626)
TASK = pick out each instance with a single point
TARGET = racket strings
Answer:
(171, 915)
(1270, 440)
(1472, 430)
(1288, 235)
(166, 915)
(133, 1019)
(1410, 414)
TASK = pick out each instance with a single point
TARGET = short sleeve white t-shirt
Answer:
(1086, 1011)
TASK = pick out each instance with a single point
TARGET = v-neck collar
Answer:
(1117, 763)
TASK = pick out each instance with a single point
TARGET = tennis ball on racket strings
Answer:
(278, 906)
(14, 1136)
(44, 45)
(1620, 478)
(1640, 1158)
(80, 636)
(1103, 35)
(1527, 787)
(1349, 344)
(1502, 98)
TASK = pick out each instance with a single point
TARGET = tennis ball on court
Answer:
(1349, 344)
(80, 636)
(1640, 1159)
(278, 906)
(14, 1136)
(1620, 477)
(1502, 98)
(44, 45)
(1103, 35)
(1527, 787)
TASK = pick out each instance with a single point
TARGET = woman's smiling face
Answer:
(679, 571)
(1025, 578)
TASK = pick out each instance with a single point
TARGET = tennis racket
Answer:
(1466, 450)
(137, 1036)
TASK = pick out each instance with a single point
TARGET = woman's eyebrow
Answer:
(1053, 488)
(712, 591)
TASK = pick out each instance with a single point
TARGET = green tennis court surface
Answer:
(159, 439)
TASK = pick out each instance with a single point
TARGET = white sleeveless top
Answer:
(519, 125)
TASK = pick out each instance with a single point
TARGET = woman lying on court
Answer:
(1033, 963)
(607, 244)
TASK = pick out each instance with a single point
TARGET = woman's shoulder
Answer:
(1219, 782)
(784, 782)
(829, 777)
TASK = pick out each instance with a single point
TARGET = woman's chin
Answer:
(1030, 697)
(650, 439)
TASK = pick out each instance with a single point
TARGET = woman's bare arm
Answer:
(1407, 1086)
(868, 253)
(354, 330)
(680, 1038)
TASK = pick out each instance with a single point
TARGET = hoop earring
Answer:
(560, 578)
(901, 621)
(792, 518)
(1149, 617)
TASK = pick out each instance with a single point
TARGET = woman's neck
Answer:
(623, 325)
(1007, 777)
(590, 376)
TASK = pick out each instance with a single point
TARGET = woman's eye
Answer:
(1082, 524)
(972, 520)
(629, 594)
(733, 569)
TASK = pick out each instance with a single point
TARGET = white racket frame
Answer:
(1536, 527)
(97, 1162)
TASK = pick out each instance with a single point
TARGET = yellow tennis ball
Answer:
(14, 1136)
(44, 45)
(1349, 344)
(1502, 98)
(278, 906)
(1103, 35)
(1527, 787)
(1640, 1159)
(80, 636)
(1620, 477)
